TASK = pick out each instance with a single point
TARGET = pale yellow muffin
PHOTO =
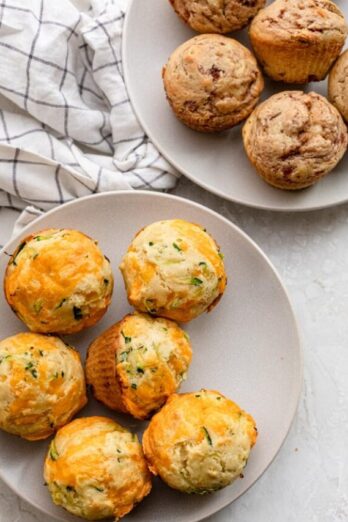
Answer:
(96, 469)
(173, 269)
(293, 139)
(297, 41)
(338, 85)
(217, 16)
(138, 363)
(58, 281)
(42, 385)
(212, 82)
(199, 442)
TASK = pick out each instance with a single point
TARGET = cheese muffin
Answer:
(338, 85)
(138, 363)
(96, 469)
(58, 281)
(293, 139)
(217, 16)
(42, 385)
(174, 269)
(199, 442)
(212, 82)
(297, 41)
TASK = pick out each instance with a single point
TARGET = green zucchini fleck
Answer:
(99, 489)
(196, 281)
(134, 386)
(221, 255)
(140, 370)
(207, 436)
(126, 339)
(151, 243)
(19, 249)
(177, 247)
(202, 263)
(53, 451)
(37, 306)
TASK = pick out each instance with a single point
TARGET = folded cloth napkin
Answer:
(75, 132)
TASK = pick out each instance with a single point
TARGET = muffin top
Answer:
(58, 281)
(95, 468)
(213, 81)
(303, 19)
(42, 384)
(173, 269)
(217, 16)
(338, 85)
(199, 442)
(294, 138)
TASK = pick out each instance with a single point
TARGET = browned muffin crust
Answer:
(338, 85)
(212, 82)
(293, 139)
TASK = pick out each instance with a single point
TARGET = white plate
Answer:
(216, 162)
(247, 347)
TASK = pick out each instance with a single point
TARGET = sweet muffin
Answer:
(338, 85)
(96, 469)
(212, 82)
(219, 16)
(58, 281)
(138, 363)
(297, 41)
(42, 385)
(199, 442)
(174, 269)
(293, 139)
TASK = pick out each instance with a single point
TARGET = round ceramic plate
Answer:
(247, 347)
(217, 162)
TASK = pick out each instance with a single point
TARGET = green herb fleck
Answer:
(218, 398)
(202, 263)
(126, 339)
(61, 303)
(196, 281)
(106, 282)
(77, 313)
(123, 356)
(221, 255)
(186, 335)
(29, 365)
(99, 489)
(19, 249)
(62, 374)
(149, 306)
(37, 306)
(151, 243)
(164, 329)
(140, 370)
(134, 386)
(177, 247)
(118, 450)
(207, 436)
(4, 358)
(197, 395)
(42, 238)
(35, 255)
(53, 451)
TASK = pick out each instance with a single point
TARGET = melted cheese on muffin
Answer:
(199, 442)
(173, 269)
(42, 385)
(95, 469)
(58, 281)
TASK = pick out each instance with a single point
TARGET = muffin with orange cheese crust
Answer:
(174, 269)
(138, 363)
(96, 469)
(42, 385)
(58, 281)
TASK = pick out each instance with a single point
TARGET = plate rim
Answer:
(185, 172)
(248, 239)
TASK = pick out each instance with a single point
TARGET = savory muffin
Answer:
(338, 85)
(96, 469)
(293, 139)
(212, 82)
(42, 385)
(138, 363)
(58, 281)
(174, 269)
(297, 41)
(199, 442)
(219, 16)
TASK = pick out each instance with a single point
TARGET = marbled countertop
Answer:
(308, 481)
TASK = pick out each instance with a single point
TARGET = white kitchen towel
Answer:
(76, 133)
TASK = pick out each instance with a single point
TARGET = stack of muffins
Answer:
(212, 82)
(59, 282)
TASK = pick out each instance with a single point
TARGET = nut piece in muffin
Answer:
(338, 85)
(297, 41)
(96, 469)
(199, 442)
(212, 82)
(174, 269)
(58, 281)
(293, 139)
(42, 385)
(217, 16)
(138, 363)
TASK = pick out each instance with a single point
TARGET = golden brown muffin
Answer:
(293, 139)
(58, 281)
(42, 385)
(297, 41)
(338, 85)
(217, 16)
(174, 269)
(138, 363)
(96, 469)
(212, 82)
(199, 442)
